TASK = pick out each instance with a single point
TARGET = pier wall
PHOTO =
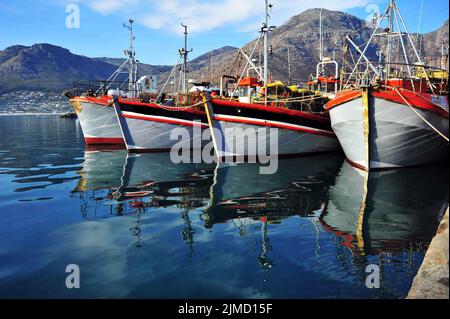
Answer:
(432, 279)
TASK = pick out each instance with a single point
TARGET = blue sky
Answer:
(158, 33)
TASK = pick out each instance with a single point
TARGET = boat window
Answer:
(243, 91)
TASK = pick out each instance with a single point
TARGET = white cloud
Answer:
(110, 6)
(203, 15)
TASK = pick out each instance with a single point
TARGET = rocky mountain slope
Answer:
(432, 43)
(46, 67)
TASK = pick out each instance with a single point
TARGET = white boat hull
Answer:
(149, 135)
(250, 130)
(398, 137)
(98, 123)
(262, 140)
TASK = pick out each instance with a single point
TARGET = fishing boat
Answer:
(267, 111)
(243, 126)
(391, 114)
(93, 101)
(147, 125)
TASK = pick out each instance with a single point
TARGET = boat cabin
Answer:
(203, 87)
(325, 84)
(249, 87)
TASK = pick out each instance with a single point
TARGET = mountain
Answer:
(208, 59)
(301, 34)
(143, 68)
(432, 42)
(46, 67)
(52, 68)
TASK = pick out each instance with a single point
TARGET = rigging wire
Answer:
(420, 116)
(168, 78)
(246, 65)
(419, 27)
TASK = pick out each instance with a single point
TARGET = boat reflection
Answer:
(396, 209)
(136, 182)
(366, 214)
(158, 182)
(245, 197)
(299, 187)
(387, 210)
(101, 170)
(355, 217)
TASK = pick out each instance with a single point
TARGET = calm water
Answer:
(140, 226)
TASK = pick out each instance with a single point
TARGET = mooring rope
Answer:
(174, 108)
(420, 116)
(293, 99)
(179, 108)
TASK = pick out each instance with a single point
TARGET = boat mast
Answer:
(389, 39)
(265, 31)
(132, 65)
(444, 56)
(289, 64)
(184, 53)
(321, 39)
(266, 45)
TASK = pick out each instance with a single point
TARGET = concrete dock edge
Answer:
(432, 279)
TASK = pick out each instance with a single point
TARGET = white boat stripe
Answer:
(231, 117)
(150, 117)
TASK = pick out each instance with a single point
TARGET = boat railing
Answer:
(434, 79)
(307, 103)
(101, 87)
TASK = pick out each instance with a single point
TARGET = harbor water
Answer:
(139, 226)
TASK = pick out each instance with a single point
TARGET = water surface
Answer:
(140, 226)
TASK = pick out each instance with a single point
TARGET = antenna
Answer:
(321, 37)
(132, 68)
(130, 28)
(419, 24)
(265, 30)
(130, 65)
(389, 38)
(184, 53)
(289, 63)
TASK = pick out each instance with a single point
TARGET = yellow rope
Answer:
(366, 125)
(293, 99)
(179, 108)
